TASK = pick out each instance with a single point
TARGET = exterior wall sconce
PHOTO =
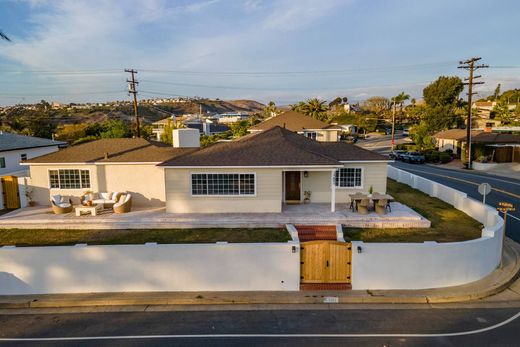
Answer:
(359, 249)
(306, 174)
(294, 249)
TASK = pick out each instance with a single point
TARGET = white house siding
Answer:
(144, 182)
(318, 182)
(445, 144)
(179, 199)
(327, 135)
(12, 158)
(374, 174)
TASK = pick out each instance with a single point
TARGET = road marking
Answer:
(188, 336)
(463, 180)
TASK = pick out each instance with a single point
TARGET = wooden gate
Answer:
(10, 192)
(326, 262)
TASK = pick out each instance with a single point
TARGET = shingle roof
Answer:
(290, 120)
(274, 147)
(477, 136)
(119, 151)
(11, 142)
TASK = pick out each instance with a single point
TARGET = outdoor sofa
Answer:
(106, 199)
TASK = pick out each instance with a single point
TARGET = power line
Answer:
(132, 89)
(471, 67)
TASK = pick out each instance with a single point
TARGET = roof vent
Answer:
(106, 155)
(284, 125)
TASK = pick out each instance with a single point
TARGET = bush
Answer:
(445, 157)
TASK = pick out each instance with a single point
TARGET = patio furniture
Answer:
(124, 204)
(362, 206)
(380, 206)
(59, 206)
(355, 199)
(389, 198)
(106, 200)
(93, 210)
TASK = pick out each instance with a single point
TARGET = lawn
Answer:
(448, 223)
(47, 237)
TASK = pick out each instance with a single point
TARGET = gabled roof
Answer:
(292, 121)
(117, 150)
(274, 147)
(454, 134)
(11, 142)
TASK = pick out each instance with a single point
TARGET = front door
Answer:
(292, 186)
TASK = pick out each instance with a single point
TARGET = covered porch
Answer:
(309, 185)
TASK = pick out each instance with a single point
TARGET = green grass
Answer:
(448, 223)
(51, 237)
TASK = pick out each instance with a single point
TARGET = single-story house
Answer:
(301, 124)
(263, 171)
(106, 165)
(499, 147)
(15, 148)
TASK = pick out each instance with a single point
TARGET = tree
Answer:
(270, 110)
(421, 136)
(496, 94)
(444, 91)
(315, 108)
(167, 135)
(239, 129)
(114, 129)
(378, 105)
(336, 102)
(298, 107)
(503, 113)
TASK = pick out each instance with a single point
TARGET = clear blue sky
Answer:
(265, 50)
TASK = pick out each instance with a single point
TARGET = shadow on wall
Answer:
(11, 283)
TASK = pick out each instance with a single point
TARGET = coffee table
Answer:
(93, 210)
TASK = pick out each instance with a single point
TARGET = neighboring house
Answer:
(497, 147)
(158, 127)
(301, 124)
(229, 118)
(106, 165)
(263, 171)
(484, 116)
(14, 148)
(208, 127)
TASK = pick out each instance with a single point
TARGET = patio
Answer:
(156, 218)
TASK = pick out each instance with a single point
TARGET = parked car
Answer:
(396, 154)
(350, 139)
(406, 132)
(413, 157)
(388, 131)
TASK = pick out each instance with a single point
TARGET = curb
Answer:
(491, 285)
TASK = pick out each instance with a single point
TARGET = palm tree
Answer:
(298, 107)
(270, 110)
(4, 36)
(315, 108)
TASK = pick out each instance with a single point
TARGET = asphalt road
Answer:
(503, 189)
(350, 327)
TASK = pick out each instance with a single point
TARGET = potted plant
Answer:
(370, 190)
(307, 194)
(28, 193)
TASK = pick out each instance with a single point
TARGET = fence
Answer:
(430, 264)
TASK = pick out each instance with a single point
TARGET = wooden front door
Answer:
(292, 186)
(326, 262)
(10, 192)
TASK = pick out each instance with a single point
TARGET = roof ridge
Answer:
(314, 142)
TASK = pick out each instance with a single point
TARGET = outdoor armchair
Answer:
(59, 206)
(124, 204)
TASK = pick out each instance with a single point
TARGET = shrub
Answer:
(445, 158)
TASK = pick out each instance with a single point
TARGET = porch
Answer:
(156, 218)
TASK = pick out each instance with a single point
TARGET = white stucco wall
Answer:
(192, 267)
(430, 264)
(12, 158)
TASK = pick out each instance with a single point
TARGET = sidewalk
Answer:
(506, 172)
(495, 283)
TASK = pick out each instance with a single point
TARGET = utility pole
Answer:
(470, 65)
(393, 122)
(132, 89)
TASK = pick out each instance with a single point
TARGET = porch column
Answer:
(332, 193)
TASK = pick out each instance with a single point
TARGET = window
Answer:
(223, 184)
(311, 135)
(23, 156)
(69, 179)
(2, 163)
(349, 177)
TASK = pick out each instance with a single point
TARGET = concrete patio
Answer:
(156, 218)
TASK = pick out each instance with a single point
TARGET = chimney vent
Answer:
(106, 155)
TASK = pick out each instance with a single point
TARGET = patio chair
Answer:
(362, 206)
(380, 206)
(59, 206)
(124, 204)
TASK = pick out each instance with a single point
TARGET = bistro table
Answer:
(376, 197)
(355, 198)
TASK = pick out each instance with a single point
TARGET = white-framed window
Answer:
(311, 135)
(69, 179)
(242, 184)
(349, 177)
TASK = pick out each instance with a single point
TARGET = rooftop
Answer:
(292, 121)
(125, 150)
(274, 147)
(477, 136)
(11, 142)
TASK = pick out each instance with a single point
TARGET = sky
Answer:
(280, 50)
